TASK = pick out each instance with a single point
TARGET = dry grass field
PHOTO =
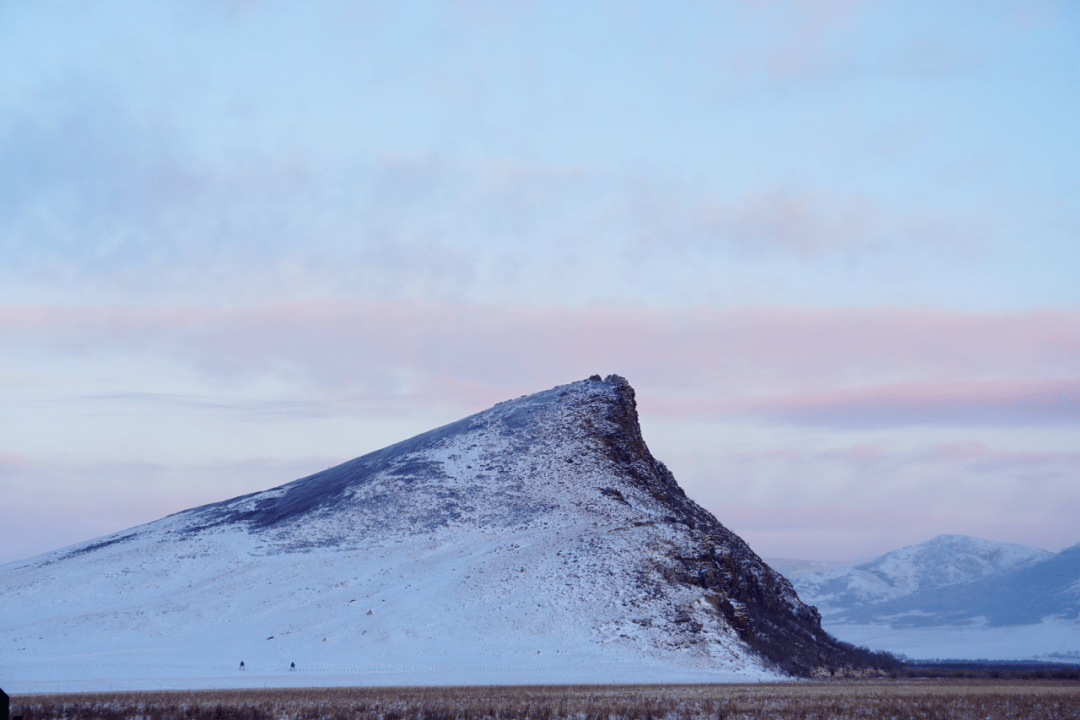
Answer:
(878, 700)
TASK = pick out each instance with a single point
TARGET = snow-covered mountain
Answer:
(1025, 595)
(538, 541)
(955, 596)
(943, 561)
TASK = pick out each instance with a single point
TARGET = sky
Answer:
(833, 245)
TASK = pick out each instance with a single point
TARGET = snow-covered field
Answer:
(500, 549)
(1048, 641)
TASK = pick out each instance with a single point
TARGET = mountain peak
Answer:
(543, 522)
(457, 465)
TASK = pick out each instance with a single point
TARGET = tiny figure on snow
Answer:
(241, 664)
(292, 667)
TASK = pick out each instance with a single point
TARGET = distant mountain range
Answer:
(538, 541)
(981, 596)
(948, 580)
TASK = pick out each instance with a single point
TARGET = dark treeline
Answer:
(968, 669)
(885, 664)
(876, 661)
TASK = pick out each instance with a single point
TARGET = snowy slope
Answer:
(538, 541)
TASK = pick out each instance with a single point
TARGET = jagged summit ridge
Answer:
(541, 528)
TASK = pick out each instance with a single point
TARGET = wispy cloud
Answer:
(972, 404)
(874, 367)
(852, 501)
(102, 205)
(310, 408)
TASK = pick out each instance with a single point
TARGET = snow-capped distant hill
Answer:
(538, 541)
(945, 560)
(955, 597)
(1048, 588)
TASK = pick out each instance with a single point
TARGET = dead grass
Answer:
(910, 700)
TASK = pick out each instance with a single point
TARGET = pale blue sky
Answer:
(203, 166)
(809, 153)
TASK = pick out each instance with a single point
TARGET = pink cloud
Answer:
(12, 460)
(970, 452)
(861, 500)
(858, 367)
(799, 222)
(802, 35)
(845, 366)
(957, 403)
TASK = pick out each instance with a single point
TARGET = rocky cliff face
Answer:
(540, 534)
(754, 601)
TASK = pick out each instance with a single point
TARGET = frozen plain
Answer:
(1052, 640)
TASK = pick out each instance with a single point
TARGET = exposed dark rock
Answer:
(759, 603)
